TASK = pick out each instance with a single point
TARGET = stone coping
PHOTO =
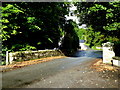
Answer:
(35, 51)
(116, 58)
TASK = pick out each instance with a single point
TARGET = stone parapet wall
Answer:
(28, 55)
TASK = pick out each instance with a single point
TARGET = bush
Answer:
(116, 48)
(3, 63)
(70, 43)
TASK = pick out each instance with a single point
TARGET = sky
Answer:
(74, 18)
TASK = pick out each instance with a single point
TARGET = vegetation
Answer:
(102, 20)
(36, 26)
(71, 39)
(116, 48)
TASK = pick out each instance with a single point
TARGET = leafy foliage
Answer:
(103, 19)
(32, 25)
(116, 48)
(71, 39)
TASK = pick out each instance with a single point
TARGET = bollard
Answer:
(7, 62)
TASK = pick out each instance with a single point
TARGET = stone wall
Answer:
(108, 52)
(28, 55)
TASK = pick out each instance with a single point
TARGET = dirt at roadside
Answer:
(16, 65)
(107, 71)
(81, 76)
(100, 66)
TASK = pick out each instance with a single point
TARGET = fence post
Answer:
(7, 56)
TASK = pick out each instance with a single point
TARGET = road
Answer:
(69, 72)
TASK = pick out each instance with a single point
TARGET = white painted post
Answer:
(108, 52)
(11, 57)
(7, 62)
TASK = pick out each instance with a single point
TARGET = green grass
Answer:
(94, 48)
(87, 44)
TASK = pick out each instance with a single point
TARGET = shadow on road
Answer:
(88, 53)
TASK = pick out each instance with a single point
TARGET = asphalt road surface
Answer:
(69, 72)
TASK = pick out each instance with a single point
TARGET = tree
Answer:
(103, 18)
(70, 42)
(32, 25)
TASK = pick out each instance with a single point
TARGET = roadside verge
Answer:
(27, 63)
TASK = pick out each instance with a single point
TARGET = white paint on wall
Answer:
(108, 52)
(116, 62)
